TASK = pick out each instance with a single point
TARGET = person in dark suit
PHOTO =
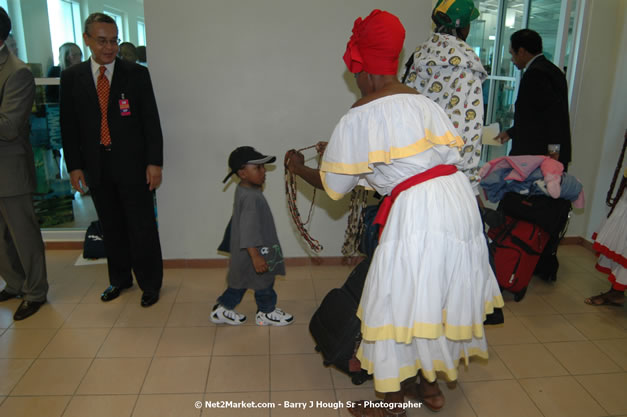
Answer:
(541, 110)
(22, 256)
(113, 144)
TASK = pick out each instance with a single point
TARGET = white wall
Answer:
(268, 74)
(599, 111)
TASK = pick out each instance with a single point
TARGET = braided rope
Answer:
(290, 191)
(355, 227)
(611, 202)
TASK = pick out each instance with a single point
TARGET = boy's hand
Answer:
(259, 263)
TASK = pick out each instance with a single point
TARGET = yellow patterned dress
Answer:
(430, 284)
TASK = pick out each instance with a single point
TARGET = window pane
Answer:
(544, 17)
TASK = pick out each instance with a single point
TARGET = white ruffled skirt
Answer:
(429, 287)
(611, 243)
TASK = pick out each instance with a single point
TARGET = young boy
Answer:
(256, 255)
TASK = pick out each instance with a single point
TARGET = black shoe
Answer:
(149, 299)
(4, 295)
(27, 309)
(494, 318)
(112, 292)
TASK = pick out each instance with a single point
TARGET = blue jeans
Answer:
(265, 298)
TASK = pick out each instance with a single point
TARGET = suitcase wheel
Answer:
(520, 295)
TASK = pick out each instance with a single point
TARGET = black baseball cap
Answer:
(246, 155)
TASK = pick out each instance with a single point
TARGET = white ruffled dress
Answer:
(611, 244)
(430, 284)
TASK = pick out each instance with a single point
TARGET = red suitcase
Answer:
(516, 246)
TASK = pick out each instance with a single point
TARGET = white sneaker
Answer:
(277, 317)
(222, 315)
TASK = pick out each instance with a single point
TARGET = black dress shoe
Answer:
(27, 309)
(149, 299)
(4, 295)
(495, 318)
(112, 292)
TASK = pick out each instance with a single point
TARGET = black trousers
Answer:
(127, 217)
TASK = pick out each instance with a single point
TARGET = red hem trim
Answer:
(605, 251)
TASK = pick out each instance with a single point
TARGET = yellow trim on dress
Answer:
(385, 156)
(427, 330)
(394, 384)
(334, 195)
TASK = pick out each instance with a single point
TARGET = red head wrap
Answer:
(375, 44)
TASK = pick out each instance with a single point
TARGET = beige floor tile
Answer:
(616, 349)
(582, 358)
(492, 398)
(561, 397)
(176, 375)
(298, 272)
(586, 284)
(190, 314)
(532, 304)
(186, 341)
(239, 374)
(530, 361)
(24, 343)
(130, 342)
(75, 343)
(484, 369)
(94, 315)
(175, 405)
(224, 404)
(595, 326)
(512, 332)
(101, 406)
(320, 403)
(241, 340)
(11, 370)
(134, 315)
(566, 301)
(553, 328)
(298, 372)
(52, 377)
(299, 289)
(68, 291)
(114, 376)
(294, 338)
(201, 288)
(49, 316)
(7, 309)
(34, 406)
(344, 381)
(608, 390)
(331, 272)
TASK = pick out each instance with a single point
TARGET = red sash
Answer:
(386, 205)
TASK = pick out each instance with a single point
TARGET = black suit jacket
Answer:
(136, 139)
(541, 112)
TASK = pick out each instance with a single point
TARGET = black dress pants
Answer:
(127, 216)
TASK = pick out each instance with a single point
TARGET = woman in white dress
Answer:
(430, 285)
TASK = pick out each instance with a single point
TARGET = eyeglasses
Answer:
(103, 41)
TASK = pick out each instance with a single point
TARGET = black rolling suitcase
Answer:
(336, 328)
(551, 214)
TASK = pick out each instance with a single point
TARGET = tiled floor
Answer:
(555, 356)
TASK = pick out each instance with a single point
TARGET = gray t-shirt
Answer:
(253, 226)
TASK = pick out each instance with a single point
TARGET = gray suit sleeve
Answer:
(16, 104)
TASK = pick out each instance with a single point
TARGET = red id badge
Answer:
(125, 108)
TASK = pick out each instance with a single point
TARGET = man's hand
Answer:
(502, 137)
(153, 176)
(77, 179)
(293, 160)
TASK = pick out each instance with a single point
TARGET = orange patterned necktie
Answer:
(103, 97)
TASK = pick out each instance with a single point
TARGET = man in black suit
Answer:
(541, 110)
(113, 143)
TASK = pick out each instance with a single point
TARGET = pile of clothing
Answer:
(529, 175)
